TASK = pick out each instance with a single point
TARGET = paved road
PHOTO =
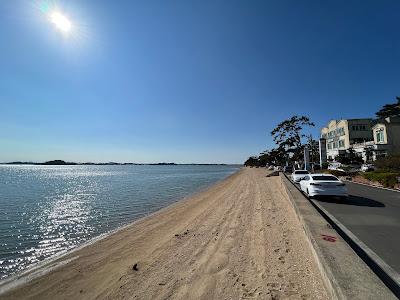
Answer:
(373, 215)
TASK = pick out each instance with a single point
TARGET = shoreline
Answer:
(237, 238)
(43, 267)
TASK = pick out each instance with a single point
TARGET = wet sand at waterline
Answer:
(239, 239)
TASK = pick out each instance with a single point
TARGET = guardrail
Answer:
(386, 273)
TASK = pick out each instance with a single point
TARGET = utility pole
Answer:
(306, 158)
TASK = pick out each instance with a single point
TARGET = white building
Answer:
(370, 139)
(341, 135)
(386, 134)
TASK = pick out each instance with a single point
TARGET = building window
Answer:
(379, 136)
(341, 144)
(329, 146)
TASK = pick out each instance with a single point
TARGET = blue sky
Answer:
(187, 81)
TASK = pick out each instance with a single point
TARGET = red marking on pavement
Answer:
(328, 238)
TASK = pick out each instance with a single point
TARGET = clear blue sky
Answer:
(187, 81)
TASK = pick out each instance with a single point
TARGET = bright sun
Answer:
(61, 22)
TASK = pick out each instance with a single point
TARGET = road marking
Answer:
(385, 272)
(328, 238)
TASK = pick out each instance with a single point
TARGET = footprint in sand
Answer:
(282, 259)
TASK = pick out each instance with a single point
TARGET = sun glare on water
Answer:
(61, 22)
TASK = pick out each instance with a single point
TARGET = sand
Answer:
(240, 239)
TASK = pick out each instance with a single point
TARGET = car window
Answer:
(325, 178)
(306, 178)
(301, 172)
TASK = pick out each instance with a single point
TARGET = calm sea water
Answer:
(47, 210)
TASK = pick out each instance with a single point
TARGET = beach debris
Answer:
(236, 281)
(135, 267)
(162, 283)
(180, 235)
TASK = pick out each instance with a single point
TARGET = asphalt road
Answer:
(373, 215)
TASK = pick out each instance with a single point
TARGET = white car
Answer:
(367, 167)
(297, 175)
(323, 185)
(335, 166)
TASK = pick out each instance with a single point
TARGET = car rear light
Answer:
(314, 183)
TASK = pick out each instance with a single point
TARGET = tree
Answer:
(350, 157)
(288, 136)
(389, 163)
(313, 147)
(368, 153)
(251, 161)
(389, 110)
(264, 158)
(277, 156)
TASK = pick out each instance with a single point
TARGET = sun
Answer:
(61, 22)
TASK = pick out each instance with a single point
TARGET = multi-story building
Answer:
(386, 139)
(386, 134)
(340, 135)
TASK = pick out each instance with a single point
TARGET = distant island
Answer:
(59, 162)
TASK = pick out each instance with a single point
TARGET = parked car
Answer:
(335, 166)
(323, 185)
(367, 167)
(271, 168)
(277, 168)
(287, 169)
(297, 175)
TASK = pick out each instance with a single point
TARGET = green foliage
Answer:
(350, 158)
(390, 163)
(387, 179)
(313, 147)
(288, 136)
(251, 161)
(389, 110)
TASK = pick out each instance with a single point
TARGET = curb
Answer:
(331, 286)
(388, 275)
(373, 186)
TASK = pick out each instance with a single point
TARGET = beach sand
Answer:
(239, 239)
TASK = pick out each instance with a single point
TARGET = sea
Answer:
(46, 211)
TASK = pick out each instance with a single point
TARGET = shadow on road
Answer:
(353, 200)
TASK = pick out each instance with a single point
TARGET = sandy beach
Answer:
(240, 239)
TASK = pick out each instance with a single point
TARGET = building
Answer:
(386, 134)
(341, 135)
